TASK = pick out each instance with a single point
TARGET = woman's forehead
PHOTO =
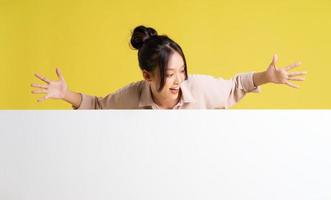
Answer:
(175, 61)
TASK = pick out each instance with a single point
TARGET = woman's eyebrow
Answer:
(171, 69)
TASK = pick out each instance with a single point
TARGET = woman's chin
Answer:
(173, 95)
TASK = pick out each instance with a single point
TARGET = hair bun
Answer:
(140, 35)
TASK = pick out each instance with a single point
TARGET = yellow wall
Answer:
(88, 40)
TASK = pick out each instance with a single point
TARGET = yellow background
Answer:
(89, 41)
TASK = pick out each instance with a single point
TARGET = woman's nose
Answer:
(178, 78)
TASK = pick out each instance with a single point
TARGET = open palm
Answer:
(53, 89)
(282, 75)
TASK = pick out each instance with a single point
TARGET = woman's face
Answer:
(174, 76)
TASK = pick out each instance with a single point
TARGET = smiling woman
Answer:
(166, 83)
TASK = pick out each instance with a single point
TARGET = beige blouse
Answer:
(198, 92)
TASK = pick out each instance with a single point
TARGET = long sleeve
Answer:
(124, 98)
(94, 102)
(237, 87)
(211, 92)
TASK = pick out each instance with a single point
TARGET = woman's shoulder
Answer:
(128, 97)
(202, 83)
(200, 79)
(133, 87)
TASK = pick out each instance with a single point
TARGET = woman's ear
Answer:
(147, 75)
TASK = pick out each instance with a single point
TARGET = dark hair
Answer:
(154, 51)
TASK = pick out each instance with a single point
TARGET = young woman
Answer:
(166, 83)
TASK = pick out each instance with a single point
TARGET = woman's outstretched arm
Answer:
(278, 75)
(57, 89)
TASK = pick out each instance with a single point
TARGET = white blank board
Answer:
(156, 155)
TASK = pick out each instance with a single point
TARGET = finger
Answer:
(274, 60)
(39, 86)
(296, 74)
(291, 85)
(42, 98)
(43, 91)
(42, 78)
(292, 66)
(59, 74)
(296, 79)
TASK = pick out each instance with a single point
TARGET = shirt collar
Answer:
(146, 100)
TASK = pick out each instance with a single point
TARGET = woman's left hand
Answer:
(283, 75)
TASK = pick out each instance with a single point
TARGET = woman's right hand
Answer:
(53, 89)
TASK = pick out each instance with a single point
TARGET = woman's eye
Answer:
(183, 71)
(170, 75)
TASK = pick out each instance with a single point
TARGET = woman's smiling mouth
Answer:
(174, 90)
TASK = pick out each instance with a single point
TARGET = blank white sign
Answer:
(170, 155)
